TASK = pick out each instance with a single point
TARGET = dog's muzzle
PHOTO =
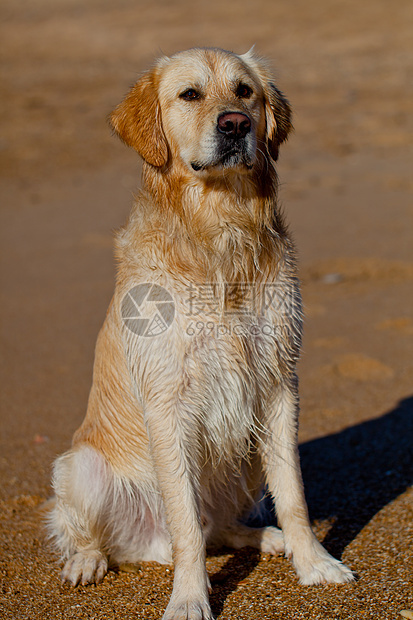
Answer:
(232, 148)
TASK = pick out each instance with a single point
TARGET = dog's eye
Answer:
(244, 91)
(190, 95)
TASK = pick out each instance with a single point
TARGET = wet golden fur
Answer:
(183, 429)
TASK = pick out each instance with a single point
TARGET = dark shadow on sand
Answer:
(349, 477)
(241, 564)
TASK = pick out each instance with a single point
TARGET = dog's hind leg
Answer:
(82, 482)
(267, 539)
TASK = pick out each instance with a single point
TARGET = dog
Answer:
(192, 414)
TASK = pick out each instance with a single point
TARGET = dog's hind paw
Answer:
(85, 567)
(272, 540)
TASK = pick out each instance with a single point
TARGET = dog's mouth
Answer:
(233, 147)
(232, 158)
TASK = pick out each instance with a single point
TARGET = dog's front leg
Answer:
(283, 474)
(176, 467)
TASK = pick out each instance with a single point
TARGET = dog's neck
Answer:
(217, 227)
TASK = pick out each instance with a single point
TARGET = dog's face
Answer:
(212, 110)
(209, 109)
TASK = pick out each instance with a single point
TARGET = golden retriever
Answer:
(193, 408)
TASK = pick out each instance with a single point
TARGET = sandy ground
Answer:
(347, 186)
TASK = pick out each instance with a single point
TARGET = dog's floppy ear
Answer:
(278, 116)
(137, 121)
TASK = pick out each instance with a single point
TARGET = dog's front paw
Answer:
(188, 610)
(316, 565)
(85, 567)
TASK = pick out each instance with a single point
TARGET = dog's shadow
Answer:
(352, 475)
(349, 477)
(241, 564)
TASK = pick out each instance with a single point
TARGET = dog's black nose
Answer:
(234, 124)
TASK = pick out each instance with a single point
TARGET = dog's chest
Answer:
(215, 351)
(221, 393)
(234, 354)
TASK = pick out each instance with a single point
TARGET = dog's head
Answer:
(207, 108)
